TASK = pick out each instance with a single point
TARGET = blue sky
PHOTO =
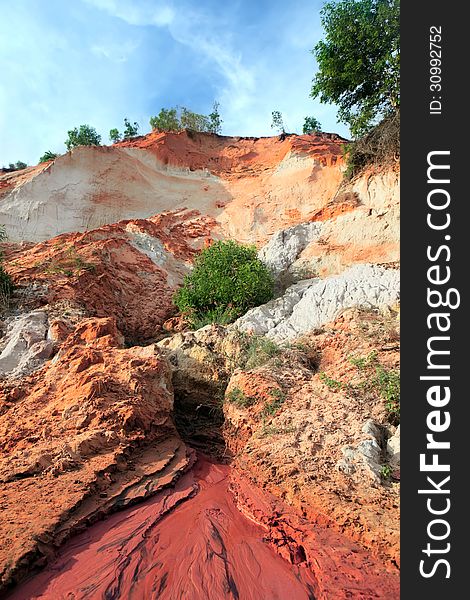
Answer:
(65, 63)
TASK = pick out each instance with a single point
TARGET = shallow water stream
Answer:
(202, 549)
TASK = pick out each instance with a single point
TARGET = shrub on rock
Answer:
(47, 156)
(85, 135)
(227, 280)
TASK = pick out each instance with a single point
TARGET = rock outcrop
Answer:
(102, 404)
(91, 432)
(251, 186)
(25, 345)
(311, 428)
(360, 225)
(225, 550)
(129, 270)
(309, 304)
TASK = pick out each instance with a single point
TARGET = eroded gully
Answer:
(190, 542)
(211, 536)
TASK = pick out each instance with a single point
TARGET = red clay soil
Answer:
(104, 273)
(235, 156)
(88, 433)
(205, 548)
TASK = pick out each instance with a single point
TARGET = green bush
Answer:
(194, 121)
(47, 156)
(6, 286)
(179, 118)
(228, 279)
(85, 135)
(114, 135)
(311, 125)
(130, 130)
(220, 315)
(166, 120)
(18, 166)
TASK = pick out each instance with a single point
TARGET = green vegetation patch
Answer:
(227, 280)
(237, 397)
(70, 264)
(374, 379)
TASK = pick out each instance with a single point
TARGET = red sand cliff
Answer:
(87, 426)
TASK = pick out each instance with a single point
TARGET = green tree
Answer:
(228, 279)
(194, 121)
(130, 130)
(85, 135)
(114, 135)
(47, 156)
(277, 121)
(311, 125)
(166, 120)
(359, 61)
(18, 166)
(179, 118)
(215, 120)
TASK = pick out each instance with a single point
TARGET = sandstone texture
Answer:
(129, 270)
(313, 430)
(302, 420)
(25, 346)
(90, 433)
(252, 186)
(108, 400)
(309, 304)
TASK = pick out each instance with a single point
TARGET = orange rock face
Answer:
(90, 432)
(211, 547)
(251, 187)
(235, 157)
(87, 423)
(299, 421)
(129, 270)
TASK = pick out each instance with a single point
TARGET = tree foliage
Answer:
(18, 166)
(277, 121)
(47, 156)
(193, 120)
(215, 120)
(166, 120)
(228, 279)
(179, 118)
(131, 130)
(311, 125)
(359, 61)
(85, 135)
(114, 135)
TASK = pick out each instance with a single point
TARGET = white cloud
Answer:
(70, 66)
(137, 12)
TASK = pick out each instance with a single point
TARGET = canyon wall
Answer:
(104, 392)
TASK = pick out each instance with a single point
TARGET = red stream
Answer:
(205, 549)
